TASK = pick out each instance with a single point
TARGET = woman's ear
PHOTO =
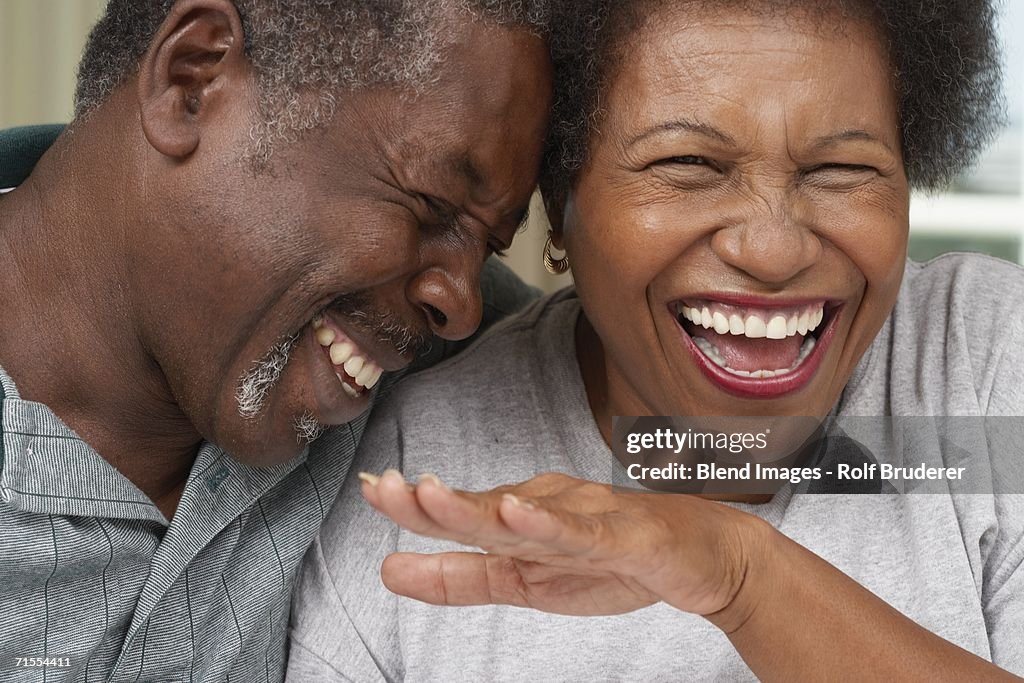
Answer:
(196, 58)
(554, 205)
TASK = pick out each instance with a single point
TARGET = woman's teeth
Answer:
(345, 355)
(711, 351)
(753, 324)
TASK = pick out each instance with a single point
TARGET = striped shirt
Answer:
(95, 579)
(99, 585)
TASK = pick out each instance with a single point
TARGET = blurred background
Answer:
(41, 40)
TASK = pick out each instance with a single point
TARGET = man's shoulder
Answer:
(20, 150)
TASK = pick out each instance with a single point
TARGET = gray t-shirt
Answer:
(514, 406)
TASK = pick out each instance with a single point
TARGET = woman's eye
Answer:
(843, 168)
(840, 176)
(688, 160)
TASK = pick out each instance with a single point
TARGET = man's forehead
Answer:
(489, 184)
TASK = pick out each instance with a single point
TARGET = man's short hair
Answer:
(304, 51)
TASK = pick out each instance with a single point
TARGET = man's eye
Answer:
(442, 212)
(497, 250)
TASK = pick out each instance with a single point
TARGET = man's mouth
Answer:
(757, 351)
(356, 370)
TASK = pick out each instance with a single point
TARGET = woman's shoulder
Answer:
(953, 345)
(487, 373)
(485, 413)
(959, 279)
(968, 306)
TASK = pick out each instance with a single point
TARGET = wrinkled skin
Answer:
(173, 268)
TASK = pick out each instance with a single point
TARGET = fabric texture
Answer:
(954, 563)
(92, 572)
(20, 149)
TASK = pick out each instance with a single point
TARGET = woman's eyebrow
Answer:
(846, 136)
(683, 125)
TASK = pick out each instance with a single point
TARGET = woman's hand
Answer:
(564, 545)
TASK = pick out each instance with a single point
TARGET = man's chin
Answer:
(274, 446)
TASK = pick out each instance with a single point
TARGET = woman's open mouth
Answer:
(757, 351)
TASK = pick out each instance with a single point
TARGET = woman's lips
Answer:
(757, 351)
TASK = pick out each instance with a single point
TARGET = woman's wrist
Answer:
(749, 573)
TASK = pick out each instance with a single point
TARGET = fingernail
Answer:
(371, 479)
(393, 473)
(518, 502)
(433, 478)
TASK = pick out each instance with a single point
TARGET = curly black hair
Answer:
(944, 54)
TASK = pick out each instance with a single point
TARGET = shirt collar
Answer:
(45, 467)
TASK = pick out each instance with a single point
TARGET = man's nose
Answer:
(448, 292)
(772, 241)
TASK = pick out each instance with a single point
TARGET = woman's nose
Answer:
(771, 242)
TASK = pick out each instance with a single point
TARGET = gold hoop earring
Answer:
(555, 266)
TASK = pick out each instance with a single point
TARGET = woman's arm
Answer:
(561, 545)
(796, 616)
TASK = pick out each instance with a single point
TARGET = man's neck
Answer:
(68, 332)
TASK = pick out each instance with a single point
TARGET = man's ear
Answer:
(190, 62)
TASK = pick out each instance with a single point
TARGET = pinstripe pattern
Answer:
(91, 570)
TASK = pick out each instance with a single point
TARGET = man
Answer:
(259, 208)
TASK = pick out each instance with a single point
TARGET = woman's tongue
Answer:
(744, 353)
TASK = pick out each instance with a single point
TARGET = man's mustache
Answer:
(385, 327)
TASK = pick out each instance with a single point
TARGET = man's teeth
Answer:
(346, 388)
(346, 355)
(711, 351)
(755, 325)
(324, 336)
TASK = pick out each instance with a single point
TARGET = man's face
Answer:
(278, 298)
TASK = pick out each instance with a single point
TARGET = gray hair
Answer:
(304, 51)
(257, 382)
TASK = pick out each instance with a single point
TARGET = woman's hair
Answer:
(943, 53)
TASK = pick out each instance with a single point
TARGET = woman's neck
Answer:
(592, 361)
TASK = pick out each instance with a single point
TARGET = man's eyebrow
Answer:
(849, 135)
(463, 165)
(686, 126)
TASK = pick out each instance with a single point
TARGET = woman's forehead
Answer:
(742, 70)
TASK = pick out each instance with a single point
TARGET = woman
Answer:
(715, 168)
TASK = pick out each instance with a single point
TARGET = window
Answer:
(984, 211)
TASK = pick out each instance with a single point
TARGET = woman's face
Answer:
(747, 175)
